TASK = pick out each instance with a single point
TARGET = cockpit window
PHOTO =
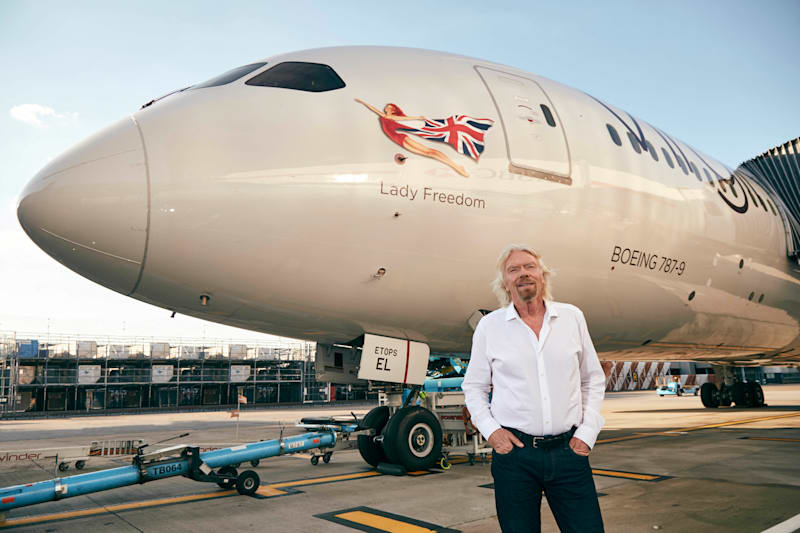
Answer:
(635, 143)
(614, 135)
(667, 157)
(231, 75)
(696, 172)
(651, 149)
(681, 164)
(548, 116)
(708, 177)
(312, 77)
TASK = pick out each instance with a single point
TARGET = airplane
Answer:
(294, 196)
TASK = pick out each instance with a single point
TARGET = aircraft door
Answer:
(534, 134)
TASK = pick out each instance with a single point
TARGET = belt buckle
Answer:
(535, 439)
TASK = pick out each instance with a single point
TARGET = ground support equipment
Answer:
(419, 430)
(211, 466)
(345, 439)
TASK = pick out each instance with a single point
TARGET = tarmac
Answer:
(660, 464)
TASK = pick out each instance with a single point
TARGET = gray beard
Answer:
(530, 296)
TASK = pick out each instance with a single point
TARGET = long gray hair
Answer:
(498, 287)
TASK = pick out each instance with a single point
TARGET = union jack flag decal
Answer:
(463, 133)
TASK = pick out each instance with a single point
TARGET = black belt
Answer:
(549, 441)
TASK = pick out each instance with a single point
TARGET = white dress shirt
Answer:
(540, 386)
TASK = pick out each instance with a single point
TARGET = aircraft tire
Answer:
(371, 451)
(709, 395)
(413, 438)
(742, 394)
(725, 396)
(247, 483)
(756, 394)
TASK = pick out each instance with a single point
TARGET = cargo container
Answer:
(211, 395)
(159, 350)
(56, 399)
(162, 373)
(149, 350)
(28, 348)
(239, 373)
(237, 351)
(213, 352)
(88, 374)
(61, 350)
(114, 351)
(86, 349)
(184, 352)
(263, 353)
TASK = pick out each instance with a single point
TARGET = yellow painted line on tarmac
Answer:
(377, 521)
(778, 439)
(15, 522)
(329, 479)
(382, 523)
(628, 475)
(738, 422)
(676, 432)
(630, 437)
(267, 491)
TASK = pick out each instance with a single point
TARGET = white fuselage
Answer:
(281, 206)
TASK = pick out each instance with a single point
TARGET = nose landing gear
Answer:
(413, 438)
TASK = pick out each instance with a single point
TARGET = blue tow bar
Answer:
(169, 462)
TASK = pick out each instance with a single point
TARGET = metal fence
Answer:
(32, 345)
(44, 372)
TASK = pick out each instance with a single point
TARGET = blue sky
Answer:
(720, 75)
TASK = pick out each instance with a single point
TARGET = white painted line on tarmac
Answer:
(793, 524)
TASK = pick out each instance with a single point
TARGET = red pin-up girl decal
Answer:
(463, 133)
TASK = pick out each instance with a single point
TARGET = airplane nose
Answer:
(88, 208)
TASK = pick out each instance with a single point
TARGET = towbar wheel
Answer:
(247, 483)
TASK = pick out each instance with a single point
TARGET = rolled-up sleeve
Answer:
(593, 387)
(478, 384)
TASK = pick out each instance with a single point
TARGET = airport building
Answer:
(64, 373)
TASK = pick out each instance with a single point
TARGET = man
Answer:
(537, 360)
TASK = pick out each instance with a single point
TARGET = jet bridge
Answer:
(778, 171)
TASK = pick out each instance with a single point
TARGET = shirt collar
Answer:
(549, 311)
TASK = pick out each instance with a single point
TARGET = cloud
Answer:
(38, 115)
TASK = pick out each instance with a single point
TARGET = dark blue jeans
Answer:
(521, 475)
